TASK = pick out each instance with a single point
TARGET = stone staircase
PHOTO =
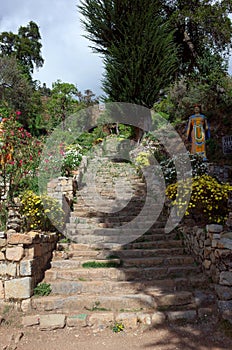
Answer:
(113, 270)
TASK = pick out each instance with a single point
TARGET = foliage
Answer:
(208, 198)
(19, 155)
(72, 158)
(203, 29)
(118, 327)
(136, 66)
(41, 212)
(25, 46)
(213, 92)
(142, 159)
(99, 264)
(199, 167)
(62, 102)
(42, 289)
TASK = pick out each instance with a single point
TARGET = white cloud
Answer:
(65, 51)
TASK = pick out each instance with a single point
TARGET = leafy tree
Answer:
(138, 52)
(203, 27)
(15, 89)
(25, 46)
(16, 92)
(63, 102)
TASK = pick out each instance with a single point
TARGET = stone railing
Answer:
(23, 259)
(212, 249)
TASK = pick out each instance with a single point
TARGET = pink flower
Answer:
(18, 113)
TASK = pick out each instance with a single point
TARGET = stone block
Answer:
(225, 307)
(28, 321)
(206, 264)
(158, 318)
(26, 305)
(101, 320)
(52, 321)
(223, 292)
(2, 256)
(214, 228)
(3, 242)
(226, 243)
(129, 320)
(79, 320)
(8, 269)
(26, 267)
(144, 318)
(19, 288)
(226, 278)
(19, 238)
(181, 315)
(14, 253)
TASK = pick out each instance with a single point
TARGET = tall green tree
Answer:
(203, 28)
(62, 102)
(25, 46)
(137, 46)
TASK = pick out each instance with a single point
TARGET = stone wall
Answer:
(212, 249)
(222, 173)
(23, 260)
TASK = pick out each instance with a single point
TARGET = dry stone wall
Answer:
(23, 260)
(212, 249)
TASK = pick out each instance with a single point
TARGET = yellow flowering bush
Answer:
(142, 159)
(208, 197)
(41, 212)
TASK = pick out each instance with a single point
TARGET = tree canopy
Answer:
(25, 46)
(203, 28)
(139, 53)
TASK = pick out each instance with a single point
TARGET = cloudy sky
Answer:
(65, 51)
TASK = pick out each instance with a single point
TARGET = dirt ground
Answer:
(200, 336)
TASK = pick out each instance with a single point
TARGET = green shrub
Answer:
(42, 289)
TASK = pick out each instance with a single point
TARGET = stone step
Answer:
(146, 243)
(126, 262)
(158, 261)
(121, 274)
(98, 241)
(155, 288)
(58, 303)
(72, 264)
(104, 254)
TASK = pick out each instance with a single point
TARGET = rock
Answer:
(144, 318)
(19, 238)
(226, 278)
(214, 228)
(26, 305)
(101, 320)
(223, 292)
(19, 288)
(77, 320)
(52, 321)
(14, 253)
(158, 318)
(181, 315)
(129, 320)
(28, 321)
